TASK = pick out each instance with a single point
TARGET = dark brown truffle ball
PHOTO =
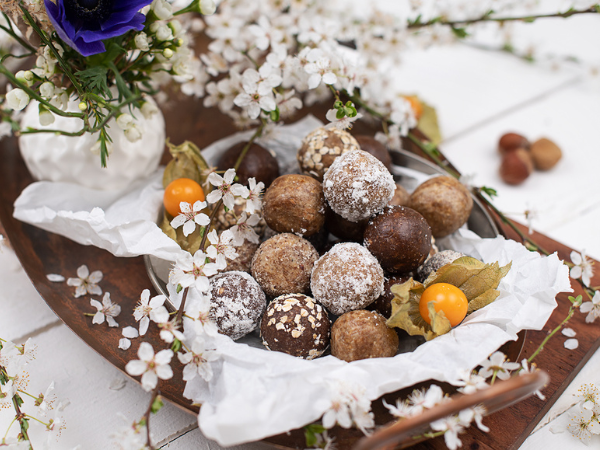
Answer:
(383, 304)
(346, 278)
(295, 204)
(357, 185)
(444, 202)
(283, 264)
(258, 163)
(344, 229)
(321, 147)
(374, 147)
(237, 303)
(399, 238)
(295, 324)
(361, 335)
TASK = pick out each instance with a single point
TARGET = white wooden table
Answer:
(479, 96)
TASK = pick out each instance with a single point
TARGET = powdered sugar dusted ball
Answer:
(437, 261)
(297, 325)
(357, 185)
(361, 335)
(282, 264)
(321, 147)
(346, 278)
(237, 303)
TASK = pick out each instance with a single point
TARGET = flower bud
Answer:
(125, 121)
(162, 9)
(82, 106)
(168, 53)
(25, 77)
(207, 7)
(149, 109)
(47, 90)
(46, 117)
(162, 32)
(17, 99)
(175, 26)
(141, 41)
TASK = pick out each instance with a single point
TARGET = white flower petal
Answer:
(55, 278)
(569, 332)
(124, 344)
(136, 367)
(130, 332)
(83, 271)
(571, 344)
(145, 352)
(149, 381)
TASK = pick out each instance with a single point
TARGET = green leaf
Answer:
(460, 33)
(24, 425)
(94, 80)
(490, 192)
(310, 433)
(179, 288)
(18, 399)
(157, 404)
(176, 346)
(274, 115)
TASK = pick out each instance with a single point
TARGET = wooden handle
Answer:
(501, 395)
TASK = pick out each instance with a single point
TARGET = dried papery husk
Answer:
(477, 280)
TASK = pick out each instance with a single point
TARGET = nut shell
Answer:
(400, 239)
(516, 166)
(545, 154)
(297, 325)
(258, 163)
(295, 204)
(283, 264)
(346, 278)
(361, 335)
(512, 141)
(445, 203)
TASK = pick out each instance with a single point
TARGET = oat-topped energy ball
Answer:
(282, 264)
(297, 325)
(321, 147)
(357, 185)
(346, 278)
(237, 303)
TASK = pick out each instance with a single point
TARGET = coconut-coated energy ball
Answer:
(295, 204)
(297, 325)
(237, 303)
(362, 334)
(399, 238)
(357, 185)
(437, 261)
(283, 264)
(321, 147)
(346, 278)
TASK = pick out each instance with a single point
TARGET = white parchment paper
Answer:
(256, 393)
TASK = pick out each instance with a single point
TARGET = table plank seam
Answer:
(38, 331)
(173, 437)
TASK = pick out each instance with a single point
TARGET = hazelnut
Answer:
(516, 166)
(545, 154)
(512, 141)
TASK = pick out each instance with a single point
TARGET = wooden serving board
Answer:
(42, 253)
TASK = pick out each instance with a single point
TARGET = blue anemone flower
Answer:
(84, 24)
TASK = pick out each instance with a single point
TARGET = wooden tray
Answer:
(41, 253)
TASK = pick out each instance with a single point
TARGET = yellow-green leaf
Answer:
(456, 273)
(428, 124)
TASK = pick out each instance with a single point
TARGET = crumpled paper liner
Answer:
(256, 393)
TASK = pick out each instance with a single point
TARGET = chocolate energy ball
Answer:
(401, 196)
(437, 261)
(399, 238)
(295, 324)
(362, 334)
(282, 264)
(237, 303)
(445, 203)
(346, 278)
(321, 147)
(383, 304)
(344, 229)
(371, 145)
(295, 204)
(243, 262)
(258, 163)
(357, 185)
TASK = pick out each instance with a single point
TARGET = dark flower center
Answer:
(89, 12)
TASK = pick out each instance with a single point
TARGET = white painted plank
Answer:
(22, 310)
(195, 440)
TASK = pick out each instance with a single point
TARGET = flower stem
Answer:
(178, 318)
(562, 324)
(147, 416)
(242, 155)
(21, 418)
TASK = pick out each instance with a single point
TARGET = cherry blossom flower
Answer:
(86, 283)
(318, 68)
(525, 369)
(190, 217)
(169, 331)
(151, 366)
(401, 410)
(45, 400)
(589, 396)
(497, 365)
(583, 267)
(287, 103)
(349, 405)
(582, 425)
(592, 307)
(244, 229)
(256, 97)
(57, 424)
(131, 437)
(470, 382)
(199, 313)
(254, 201)
(193, 270)
(225, 189)
(106, 310)
(341, 124)
(11, 443)
(148, 309)
(7, 392)
(451, 426)
(264, 34)
(197, 361)
(476, 414)
(221, 249)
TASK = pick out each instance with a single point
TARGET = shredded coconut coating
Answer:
(297, 325)
(237, 303)
(346, 278)
(357, 185)
(437, 261)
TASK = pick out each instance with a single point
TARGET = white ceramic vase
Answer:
(55, 157)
